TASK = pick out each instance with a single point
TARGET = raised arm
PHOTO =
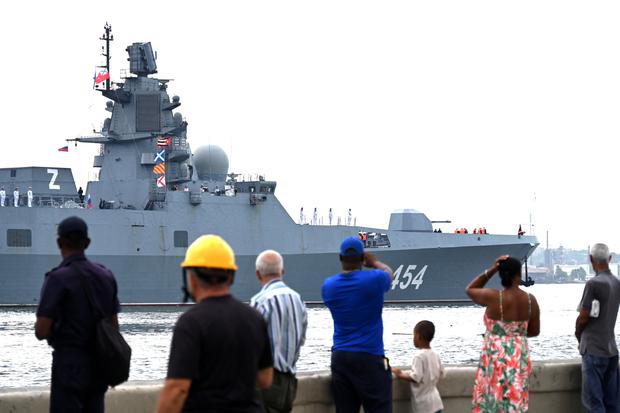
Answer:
(476, 291)
(371, 261)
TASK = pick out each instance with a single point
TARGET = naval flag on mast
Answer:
(160, 156)
(163, 141)
(101, 75)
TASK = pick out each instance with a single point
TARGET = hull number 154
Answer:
(407, 278)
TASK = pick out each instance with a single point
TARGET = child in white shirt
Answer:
(426, 370)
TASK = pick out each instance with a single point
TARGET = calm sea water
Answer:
(25, 362)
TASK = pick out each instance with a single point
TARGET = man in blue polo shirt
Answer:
(360, 372)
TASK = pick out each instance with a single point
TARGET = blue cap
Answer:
(351, 243)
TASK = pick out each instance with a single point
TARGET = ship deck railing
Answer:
(53, 202)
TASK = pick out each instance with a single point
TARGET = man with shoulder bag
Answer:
(77, 314)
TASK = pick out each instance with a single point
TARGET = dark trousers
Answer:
(361, 379)
(280, 396)
(75, 387)
(599, 384)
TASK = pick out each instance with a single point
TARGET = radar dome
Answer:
(211, 163)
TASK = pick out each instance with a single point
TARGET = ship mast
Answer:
(108, 37)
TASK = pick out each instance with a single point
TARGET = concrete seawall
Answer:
(554, 387)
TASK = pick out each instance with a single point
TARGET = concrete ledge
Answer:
(554, 387)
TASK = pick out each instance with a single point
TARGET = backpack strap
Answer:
(88, 290)
(529, 306)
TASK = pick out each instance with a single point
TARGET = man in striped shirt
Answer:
(286, 317)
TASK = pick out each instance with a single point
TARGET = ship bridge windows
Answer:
(13, 173)
(181, 239)
(19, 238)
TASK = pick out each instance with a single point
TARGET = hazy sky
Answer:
(482, 112)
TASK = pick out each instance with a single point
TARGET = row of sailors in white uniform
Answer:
(15, 197)
(315, 217)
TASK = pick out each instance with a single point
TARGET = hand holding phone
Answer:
(369, 260)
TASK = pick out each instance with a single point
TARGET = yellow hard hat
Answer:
(210, 251)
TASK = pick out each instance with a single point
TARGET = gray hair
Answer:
(269, 262)
(600, 253)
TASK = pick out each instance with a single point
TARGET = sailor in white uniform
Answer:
(16, 197)
(330, 216)
(315, 218)
(2, 196)
(30, 197)
(349, 215)
(301, 216)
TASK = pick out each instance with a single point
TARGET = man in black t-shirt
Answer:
(220, 351)
(66, 320)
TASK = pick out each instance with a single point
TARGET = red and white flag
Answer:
(161, 181)
(101, 75)
(163, 141)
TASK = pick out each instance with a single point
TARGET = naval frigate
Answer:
(154, 195)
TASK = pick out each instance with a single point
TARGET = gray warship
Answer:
(154, 195)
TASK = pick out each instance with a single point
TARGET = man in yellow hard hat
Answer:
(220, 351)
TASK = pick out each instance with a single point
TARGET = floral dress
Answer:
(502, 379)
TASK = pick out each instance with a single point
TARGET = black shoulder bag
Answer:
(112, 353)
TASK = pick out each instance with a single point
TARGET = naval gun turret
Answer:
(410, 220)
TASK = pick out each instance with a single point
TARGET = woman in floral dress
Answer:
(512, 315)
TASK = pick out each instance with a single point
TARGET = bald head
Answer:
(269, 265)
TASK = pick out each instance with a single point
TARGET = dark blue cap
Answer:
(72, 225)
(351, 247)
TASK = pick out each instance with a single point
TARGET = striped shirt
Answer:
(286, 317)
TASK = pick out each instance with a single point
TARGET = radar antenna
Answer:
(108, 37)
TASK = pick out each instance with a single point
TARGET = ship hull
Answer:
(143, 250)
(423, 275)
